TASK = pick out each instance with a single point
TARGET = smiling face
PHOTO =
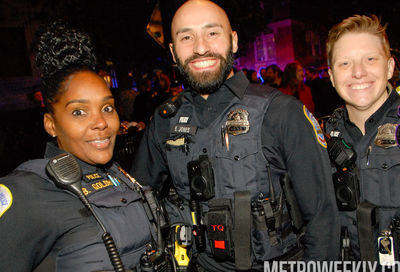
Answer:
(203, 44)
(84, 119)
(360, 70)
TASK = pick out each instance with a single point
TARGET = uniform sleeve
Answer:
(27, 231)
(150, 166)
(290, 141)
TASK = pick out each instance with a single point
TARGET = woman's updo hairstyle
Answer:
(61, 51)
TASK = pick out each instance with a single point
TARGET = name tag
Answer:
(185, 129)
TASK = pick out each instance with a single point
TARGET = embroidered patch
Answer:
(177, 142)
(96, 186)
(92, 177)
(317, 129)
(6, 199)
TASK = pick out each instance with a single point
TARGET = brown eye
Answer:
(185, 38)
(78, 112)
(108, 108)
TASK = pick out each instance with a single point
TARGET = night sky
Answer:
(118, 27)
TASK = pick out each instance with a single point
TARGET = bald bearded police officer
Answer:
(360, 67)
(225, 150)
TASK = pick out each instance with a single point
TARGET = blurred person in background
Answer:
(252, 76)
(325, 97)
(293, 84)
(272, 76)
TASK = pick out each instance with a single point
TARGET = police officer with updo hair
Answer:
(47, 227)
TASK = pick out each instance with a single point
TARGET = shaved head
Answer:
(203, 44)
(209, 11)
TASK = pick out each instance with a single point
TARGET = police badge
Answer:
(238, 122)
(386, 136)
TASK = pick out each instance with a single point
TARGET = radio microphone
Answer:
(66, 173)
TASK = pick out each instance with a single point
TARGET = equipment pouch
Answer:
(219, 229)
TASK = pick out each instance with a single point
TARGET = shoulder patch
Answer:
(6, 199)
(317, 129)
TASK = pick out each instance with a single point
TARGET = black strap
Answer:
(242, 231)
(270, 221)
(367, 219)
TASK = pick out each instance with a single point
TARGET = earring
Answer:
(54, 136)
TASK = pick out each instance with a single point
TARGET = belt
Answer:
(295, 254)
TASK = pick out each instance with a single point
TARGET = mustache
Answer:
(208, 55)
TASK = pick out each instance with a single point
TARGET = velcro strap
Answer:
(242, 231)
(367, 221)
(271, 221)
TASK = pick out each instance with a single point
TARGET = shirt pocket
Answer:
(237, 167)
(380, 176)
(121, 211)
(177, 165)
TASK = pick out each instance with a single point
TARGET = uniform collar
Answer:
(237, 84)
(376, 117)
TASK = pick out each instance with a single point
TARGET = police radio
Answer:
(345, 180)
(66, 173)
(154, 208)
(153, 259)
(156, 260)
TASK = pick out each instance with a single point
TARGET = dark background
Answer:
(118, 29)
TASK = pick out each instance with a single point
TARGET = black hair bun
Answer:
(60, 47)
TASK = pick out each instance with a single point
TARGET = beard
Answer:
(206, 82)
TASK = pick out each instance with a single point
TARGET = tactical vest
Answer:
(379, 172)
(82, 249)
(238, 163)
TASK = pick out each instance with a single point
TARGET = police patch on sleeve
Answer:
(317, 129)
(6, 199)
